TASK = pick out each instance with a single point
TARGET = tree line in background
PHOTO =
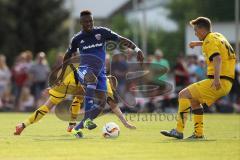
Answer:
(181, 11)
(32, 25)
(39, 25)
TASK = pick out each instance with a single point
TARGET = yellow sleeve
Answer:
(211, 48)
(109, 89)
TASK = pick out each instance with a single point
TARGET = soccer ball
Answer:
(110, 130)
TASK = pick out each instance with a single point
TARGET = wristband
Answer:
(136, 49)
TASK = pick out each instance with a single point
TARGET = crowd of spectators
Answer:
(21, 84)
(187, 70)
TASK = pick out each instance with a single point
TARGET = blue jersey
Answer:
(91, 46)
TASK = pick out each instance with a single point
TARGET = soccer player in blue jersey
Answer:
(90, 43)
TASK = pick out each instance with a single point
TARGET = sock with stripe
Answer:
(88, 104)
(37, 115)
(75, 108)
(198, 121)
(183, 110)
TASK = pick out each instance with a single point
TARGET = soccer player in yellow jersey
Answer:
(69, 87)
(220, 59)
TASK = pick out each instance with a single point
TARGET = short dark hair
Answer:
(202, 22)
(85, 13)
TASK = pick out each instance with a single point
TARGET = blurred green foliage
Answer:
(168, 42)
(33, 25)
(39, 25)
(182, 11)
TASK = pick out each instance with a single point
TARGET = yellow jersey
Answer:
(216, 44)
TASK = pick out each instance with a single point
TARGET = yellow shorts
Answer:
(69, 87)
(204, 93)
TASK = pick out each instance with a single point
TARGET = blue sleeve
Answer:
(72, 46)
(110, 35)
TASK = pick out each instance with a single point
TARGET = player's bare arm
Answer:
(217, 68)
(128, 43)
(193, 44)
(120, 115)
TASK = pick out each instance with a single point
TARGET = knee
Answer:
(184, 94)
(181, 94)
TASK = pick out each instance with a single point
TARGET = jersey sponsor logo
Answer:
(98, 36)
(93, 46)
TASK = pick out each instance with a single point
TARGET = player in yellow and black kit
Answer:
(220, 59)
(69, 86)
(112, 101)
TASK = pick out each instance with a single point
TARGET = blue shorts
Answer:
(101, 77)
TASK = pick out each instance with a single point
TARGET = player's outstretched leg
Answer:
(35, 117)
(86, 122)
(91, 114)
(91, 80)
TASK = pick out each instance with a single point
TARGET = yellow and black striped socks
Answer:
(37, 115)
(183, 110)
(198, 121)
(75, 108)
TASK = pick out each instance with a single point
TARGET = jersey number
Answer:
(231, 52)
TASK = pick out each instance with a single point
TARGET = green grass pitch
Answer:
(49, 140)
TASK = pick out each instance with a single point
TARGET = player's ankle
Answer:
(179, 130)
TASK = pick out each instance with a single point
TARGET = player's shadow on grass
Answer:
(48, 136)
(65, 137)
(186, 140)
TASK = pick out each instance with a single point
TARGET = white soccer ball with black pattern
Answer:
(110, 130)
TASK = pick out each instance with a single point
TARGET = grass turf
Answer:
(49, 140)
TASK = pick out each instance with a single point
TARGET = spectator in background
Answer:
(7, 101)
(5, 75)
(20, 76)
(160, 68)
(181, 74)
(200, 71)
(119, 68)
(150, 58)
(39, 75)
(29, 63)
(59, 60)
(29, 58)
(235, 91)
(57, 65)
(131, 56)
(26, 101)
(160, 61)
(236, 105)
(192, 66)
